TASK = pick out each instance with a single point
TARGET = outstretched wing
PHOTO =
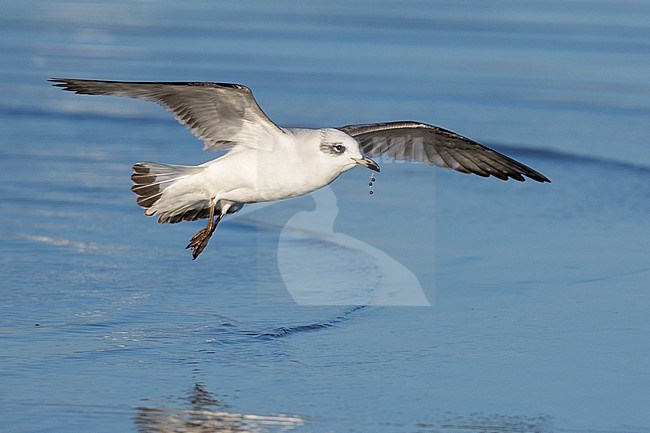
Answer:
(219, 114)
(419, 142)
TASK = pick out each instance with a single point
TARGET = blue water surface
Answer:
(539, 293)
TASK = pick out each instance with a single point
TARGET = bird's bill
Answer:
(368, 163)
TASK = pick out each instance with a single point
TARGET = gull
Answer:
(264, 162)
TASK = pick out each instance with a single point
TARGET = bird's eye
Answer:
(338, 148)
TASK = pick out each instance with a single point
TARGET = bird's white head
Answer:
(339, 152)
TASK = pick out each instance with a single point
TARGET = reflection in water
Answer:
(208, 415)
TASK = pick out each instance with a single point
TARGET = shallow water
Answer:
(538, 293)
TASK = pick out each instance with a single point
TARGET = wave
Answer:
(558, 155)
(99, 113)
(286, 331)
(59, 242)
(230, 332)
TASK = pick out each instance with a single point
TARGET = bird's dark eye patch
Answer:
(332, 148)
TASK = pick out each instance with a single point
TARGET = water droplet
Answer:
(371, 183)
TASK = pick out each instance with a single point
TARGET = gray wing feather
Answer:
(419, 142)
(219, 114)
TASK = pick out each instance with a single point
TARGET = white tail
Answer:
(152, 183)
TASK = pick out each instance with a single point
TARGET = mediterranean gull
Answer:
(264, 162)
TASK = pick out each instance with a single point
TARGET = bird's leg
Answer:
(200, 239)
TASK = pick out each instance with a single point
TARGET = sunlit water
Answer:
(539, 293)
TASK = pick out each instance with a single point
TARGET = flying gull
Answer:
(264, 162)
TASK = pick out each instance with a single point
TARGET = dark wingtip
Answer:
(65, 84)
(539, 177)
(59, 82)
(519, 177)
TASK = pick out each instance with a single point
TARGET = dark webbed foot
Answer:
(200, 240)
